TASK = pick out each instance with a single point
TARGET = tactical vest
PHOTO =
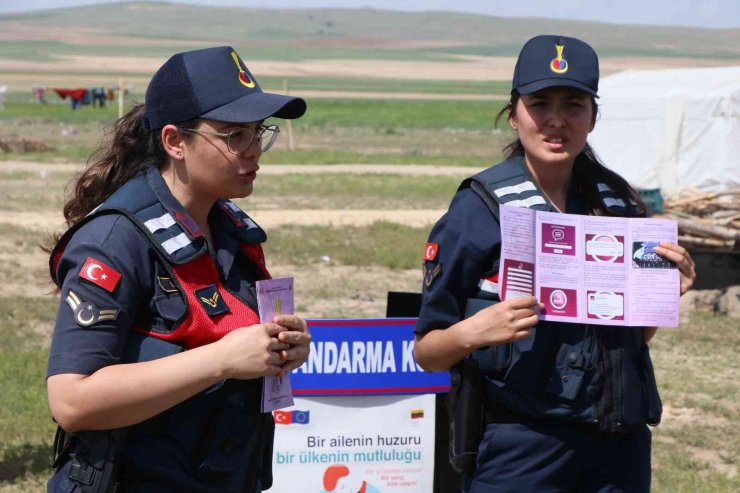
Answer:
(218, 440)
(600, 376)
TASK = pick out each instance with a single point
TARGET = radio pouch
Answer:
(465, 408)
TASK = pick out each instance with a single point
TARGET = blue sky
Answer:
(696, 13)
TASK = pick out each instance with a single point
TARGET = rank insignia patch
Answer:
(86, 313)
(100, 274)
(431, 271)
(211, 300)
(166, 284)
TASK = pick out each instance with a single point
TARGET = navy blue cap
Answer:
(556, 61)
(216, 84)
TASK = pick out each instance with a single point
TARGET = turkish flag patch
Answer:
(430, 251)
(100, 274)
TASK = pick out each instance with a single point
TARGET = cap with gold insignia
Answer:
(212, 83)
(555, 61)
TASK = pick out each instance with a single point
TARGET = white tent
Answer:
(671, 129)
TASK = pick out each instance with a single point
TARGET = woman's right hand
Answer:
(507, 321)
(252, 352)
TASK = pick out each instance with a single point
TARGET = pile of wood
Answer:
(706, 220)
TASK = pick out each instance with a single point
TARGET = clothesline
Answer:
(96, 96)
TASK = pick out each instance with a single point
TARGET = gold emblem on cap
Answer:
(243, 76)
(559, 65)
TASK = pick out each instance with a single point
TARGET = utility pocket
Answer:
(465, 409)
(60, 482)
(653, 404)
(230, 436)
(92, 466)
(168, 305)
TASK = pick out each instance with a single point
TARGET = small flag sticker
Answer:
(430, 251)
(100, 274)
(291, 417)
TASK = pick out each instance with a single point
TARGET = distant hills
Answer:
(157, 29)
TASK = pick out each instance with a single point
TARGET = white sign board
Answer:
(368, 444)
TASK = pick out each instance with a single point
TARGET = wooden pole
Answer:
(120, 98)
(288, 123)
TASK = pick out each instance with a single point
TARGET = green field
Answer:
(332, 131)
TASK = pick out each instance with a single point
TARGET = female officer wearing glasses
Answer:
(565, 405)
(157, 358)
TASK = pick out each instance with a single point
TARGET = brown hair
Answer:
(128, 148)
(588, 170)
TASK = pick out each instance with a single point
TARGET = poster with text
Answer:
(370, 444)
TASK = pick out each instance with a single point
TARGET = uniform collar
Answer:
(226, 245)
(171, 204)
(574, 202)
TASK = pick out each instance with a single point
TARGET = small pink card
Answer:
(275, 297)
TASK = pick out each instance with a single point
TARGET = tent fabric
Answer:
(671, 129)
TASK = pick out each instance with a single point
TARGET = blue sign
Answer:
(364, 357)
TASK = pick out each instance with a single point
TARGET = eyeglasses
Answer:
(240, 139)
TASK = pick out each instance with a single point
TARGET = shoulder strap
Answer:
(484, 193)
(507, 183)
(173, 236)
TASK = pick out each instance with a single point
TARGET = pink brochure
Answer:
(590, 269)
(275, 297)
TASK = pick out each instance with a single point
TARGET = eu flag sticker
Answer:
(212, 300)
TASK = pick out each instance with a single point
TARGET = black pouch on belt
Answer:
(465, 408)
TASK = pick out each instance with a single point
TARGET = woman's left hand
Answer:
(678, 255)
(299, 339)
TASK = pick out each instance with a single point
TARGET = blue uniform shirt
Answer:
(468, 239)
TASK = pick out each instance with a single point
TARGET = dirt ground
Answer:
(325, 290)
(282, 169)
(51, 221)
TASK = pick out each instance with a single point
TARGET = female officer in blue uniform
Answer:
(565, 406)
(157, 358)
